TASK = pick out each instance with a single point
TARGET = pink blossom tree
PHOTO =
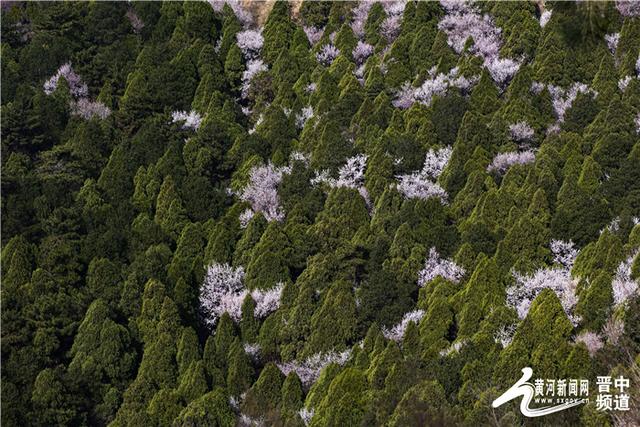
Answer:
(191, 120)
(361, 52)
(222, 292)
(397, 332)
(87, 109)
(421, 184)
(521, 132)
(623, 285)
(77, 87)
(504, 161)
(327, 54)
(309, 370)
(435, 266)
(314, 34)
(262, 191)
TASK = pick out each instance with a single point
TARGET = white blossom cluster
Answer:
(77, 87)
(504, 335)
(613, 329)
(252, 350)
(612, 41)
(453, 348)
(637, 123)
(557, 278)
(328, 53)
(504, 161)
(361, 52)
(623, 285)
(521, 132)
(628, 8)
(360, 14)
(81, 106)
(223, 292)
(88, 109)
(591, 340)
(435, 266)
(435, 85)
(314, 34)
(390, 27)
(305, 114)
(624, 82)
(262, 191)
(350, 175)
(191, 120)
(463, 21)
(421, 184)
(562, 99)
(306, 415)
(250, 43)
(397, 332)
(309, 370)
(267, 301)
(545, 17)
(241, 13)
(136, 23)
(253, 67)
(247, 421)
(564, 253)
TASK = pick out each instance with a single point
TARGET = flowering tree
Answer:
(262, 191)
(397, 332)
(628, 8)
(362, 51)
(421, 184)
(562, 99)
(504, 161)
(328, 53)
(314, 34)
(254, 66)
(612, 41)
(309, 370)
(591, 340)
(191, 120)
(252, 350)
(462, 22)
(545, 17)
(360, 14)
(305, 114)
(623, 285)
(87, 109)
(557, 278)
(435, 85)
(624, 82)
(521, 132)
(222, 292)
(564, 253)
(82, 106)
(350, 175)
(243, 15)
(267, 301)
(435, 266)
(77, 87)
(250, 43)
(135, 21)
(504, 335)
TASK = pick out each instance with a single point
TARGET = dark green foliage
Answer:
(109, 224)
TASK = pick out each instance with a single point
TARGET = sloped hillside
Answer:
(317, 213)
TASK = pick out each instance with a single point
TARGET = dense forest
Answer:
(317, 213)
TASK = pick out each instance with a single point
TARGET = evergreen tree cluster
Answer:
(350, 214)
